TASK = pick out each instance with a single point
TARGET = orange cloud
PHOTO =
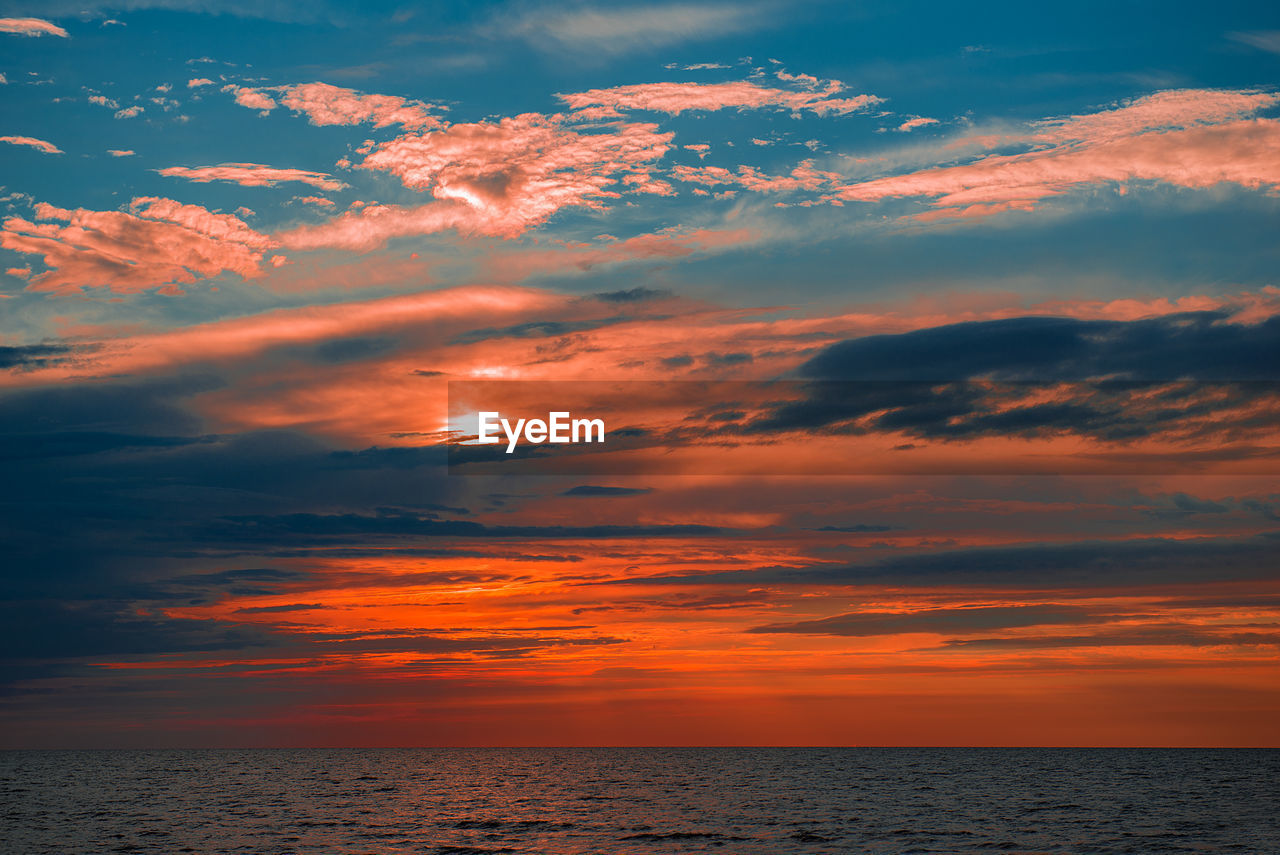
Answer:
(325, 104)
(252, 175)
(160, 243)
(1193, 138)
(1246, 153)
(39, 145)
(498, 178)
(675, 98)
(254, 99)
(803, 177)
(1173, 108)
(31, 27)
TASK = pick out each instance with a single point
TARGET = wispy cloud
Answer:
(252, 175)
(619, 30)
(1268, 40)
(1192, 138)
(915, 122)
(40, 145)
(31, 27)
(675, 98)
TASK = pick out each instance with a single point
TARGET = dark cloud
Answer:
(353, 528)
(353, 349)
(716, 602)
(1104, 564)
(1181, 506)
(71, 443)
(1199, 345)
(721, 360)
(639, 294)
(31, 356)
(50, 630)
(431, 644)
(1180, 635)
(938, 620)
(544, 329)
(595, 491)
(152, 408)
(293, 607)
(1109, 410)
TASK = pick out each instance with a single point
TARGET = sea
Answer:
(641, 800)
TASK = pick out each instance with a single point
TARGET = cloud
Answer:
(252, 175)
(39, 145)
(1187, 138)
(1162, 635)
(915, 122)
(1180, 346)
(52, 630)
(254, 99)
(290, 607)
(498, 178)
(919, 383)
(116, 152)
(325, 104)
(803, 177)
(1097, 564)
(31, 27)
(129, 112)
(370, 531)
(199, 81)
(30, 356)
(638, 294)
(1193, 138)
(1268, 40)
(599, 492)
(622, 29)
(1170, 109)
(159, 243)
(948, 620)
(675, 98)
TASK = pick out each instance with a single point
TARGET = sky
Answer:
(974, 316)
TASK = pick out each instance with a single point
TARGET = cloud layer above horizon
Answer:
(238, 280)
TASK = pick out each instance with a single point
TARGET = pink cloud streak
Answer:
(39, 145)
(1246, 153)
(803, 177)
(325, 104)
(675, 98)
(252, 175)
(498, 178)
(31, 27)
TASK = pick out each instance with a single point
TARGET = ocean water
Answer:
(772, 800)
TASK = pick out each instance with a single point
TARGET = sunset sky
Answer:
(1013, 275)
